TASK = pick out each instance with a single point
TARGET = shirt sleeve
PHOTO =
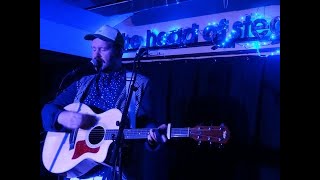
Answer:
(51, 110)
(145, 116)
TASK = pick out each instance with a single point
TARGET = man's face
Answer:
(102, 51)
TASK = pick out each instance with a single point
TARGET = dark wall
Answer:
(54, 67)
(241, 92)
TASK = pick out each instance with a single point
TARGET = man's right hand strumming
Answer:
(74, 120)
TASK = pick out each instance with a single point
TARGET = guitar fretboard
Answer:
(142, 133)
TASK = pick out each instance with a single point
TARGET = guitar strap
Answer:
(132, 106)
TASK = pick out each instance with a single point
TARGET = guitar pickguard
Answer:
(82, 148)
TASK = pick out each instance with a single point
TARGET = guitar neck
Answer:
(142, 133)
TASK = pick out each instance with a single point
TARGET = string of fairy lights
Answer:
(252, 31)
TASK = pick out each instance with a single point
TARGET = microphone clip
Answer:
(141, 52)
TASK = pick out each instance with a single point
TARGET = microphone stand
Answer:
(61, 87)
(75, 74)
(118, 143)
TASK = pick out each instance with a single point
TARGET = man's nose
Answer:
(96, 55)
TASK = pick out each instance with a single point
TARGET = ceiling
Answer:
(116, 7)
(164, 10)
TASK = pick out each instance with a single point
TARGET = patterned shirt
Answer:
(105, 90)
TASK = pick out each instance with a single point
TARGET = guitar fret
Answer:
(128, 133)
(136, 133)
(143, 133)
(180, 132)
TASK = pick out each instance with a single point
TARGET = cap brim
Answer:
(93, 36)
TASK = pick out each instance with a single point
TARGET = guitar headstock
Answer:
(217, 134)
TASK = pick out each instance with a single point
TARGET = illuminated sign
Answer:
(224, 33)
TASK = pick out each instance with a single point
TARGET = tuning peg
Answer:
(210, 144)
(220, 146)
(221, 126)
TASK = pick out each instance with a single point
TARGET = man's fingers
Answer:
(163, 138)
(151, 136)
(88, 121)
(163, 126)
(155, 135)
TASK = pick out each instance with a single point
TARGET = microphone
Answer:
(96, 64)
(84, 68)
(141, 52)
(87, 68)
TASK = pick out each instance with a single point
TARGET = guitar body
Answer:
(73, 154)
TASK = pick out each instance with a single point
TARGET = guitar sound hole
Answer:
(96, 135)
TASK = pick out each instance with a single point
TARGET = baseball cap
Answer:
(107, 33)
